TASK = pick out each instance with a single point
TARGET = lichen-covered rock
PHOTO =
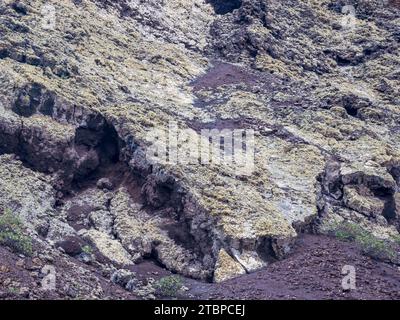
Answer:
(226, 267)
(24, 191)
(132, 227)
(144, 236)
(360, 201)
(378, 226)
(376, 178)
(108, 247)
(122, 277)
(249, 260)
(101, 220)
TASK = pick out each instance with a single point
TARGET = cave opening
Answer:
(351, 110)
(222, 7)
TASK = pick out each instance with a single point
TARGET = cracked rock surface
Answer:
(82, 99)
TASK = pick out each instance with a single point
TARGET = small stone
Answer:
(123, 277)
(46, 257)
(20, 263)
(4, 269)
(85, 258)
(131, 285)
(105, 183)
(72, 293)
(34, 274)
(71, 246)
(24, 292)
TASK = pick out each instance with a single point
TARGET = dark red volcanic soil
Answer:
(312, 272)
(227, 74)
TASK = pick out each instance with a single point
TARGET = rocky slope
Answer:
(89, 87)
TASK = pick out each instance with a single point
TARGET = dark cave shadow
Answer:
(225, 6)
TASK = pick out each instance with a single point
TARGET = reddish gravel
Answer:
(226, 74)
(313, 271)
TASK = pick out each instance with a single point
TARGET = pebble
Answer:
(20, 263)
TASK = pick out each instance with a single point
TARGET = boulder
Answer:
(108, 247)
(105, 183)
(363, 203)
(101, 220)
(226, 267)
(71, 245)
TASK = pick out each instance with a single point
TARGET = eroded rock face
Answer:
(82, 102)
(362, 194)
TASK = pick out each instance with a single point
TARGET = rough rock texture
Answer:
(226, 268)
(87, 86)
